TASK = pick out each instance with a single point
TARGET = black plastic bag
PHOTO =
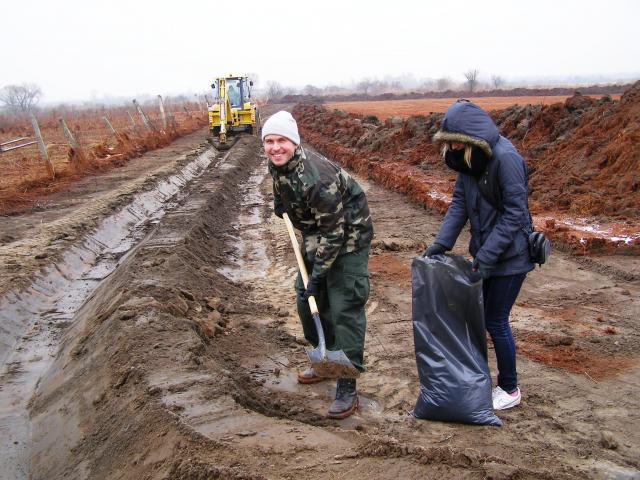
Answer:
(450, 342)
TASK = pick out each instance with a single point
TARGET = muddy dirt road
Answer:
(149, 331)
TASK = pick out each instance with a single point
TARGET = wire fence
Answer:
(39, 152)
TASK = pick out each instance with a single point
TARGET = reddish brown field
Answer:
(25, 180)
(424, 106)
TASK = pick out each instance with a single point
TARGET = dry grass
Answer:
(25, 178)
(424, 106)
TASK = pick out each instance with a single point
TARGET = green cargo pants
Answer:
(344, 292)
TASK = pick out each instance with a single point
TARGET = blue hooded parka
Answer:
(499, 237)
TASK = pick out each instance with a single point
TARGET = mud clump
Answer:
(392, 448)
(456, 459)
(196, 470)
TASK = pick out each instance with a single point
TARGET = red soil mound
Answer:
(583, 156)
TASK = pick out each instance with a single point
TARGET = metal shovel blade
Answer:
(329, 363)
(332, 365)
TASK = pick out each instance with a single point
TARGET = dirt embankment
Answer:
(583, 156)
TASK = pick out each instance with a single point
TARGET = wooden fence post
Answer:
(145, 119)
(162, 114)
(79, 152)
(109, 126)
(42, 147)
(133, 124)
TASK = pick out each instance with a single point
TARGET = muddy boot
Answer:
(346, 401)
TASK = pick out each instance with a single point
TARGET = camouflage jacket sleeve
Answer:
(326, 205)
(278, 206)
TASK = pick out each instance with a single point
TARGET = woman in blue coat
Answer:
(500, 225)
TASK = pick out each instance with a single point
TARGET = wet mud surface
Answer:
(182, 362)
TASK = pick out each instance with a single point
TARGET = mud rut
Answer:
(182, 362)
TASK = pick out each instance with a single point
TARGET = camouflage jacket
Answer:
(325, 203)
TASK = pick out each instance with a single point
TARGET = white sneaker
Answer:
(494, 392)
(503, 400)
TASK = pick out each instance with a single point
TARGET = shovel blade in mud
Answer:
(328, 363)
(332, 365)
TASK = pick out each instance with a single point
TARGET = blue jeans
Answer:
(500, 294)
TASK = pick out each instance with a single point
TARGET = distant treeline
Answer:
(514, 92)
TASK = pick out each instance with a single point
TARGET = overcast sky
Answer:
(84, 50)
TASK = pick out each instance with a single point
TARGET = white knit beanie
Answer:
(283, 124)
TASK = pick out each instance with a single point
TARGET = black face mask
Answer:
(455, 161)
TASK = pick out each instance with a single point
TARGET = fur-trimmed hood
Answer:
(465, 122)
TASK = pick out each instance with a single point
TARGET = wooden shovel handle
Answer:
(303, 270)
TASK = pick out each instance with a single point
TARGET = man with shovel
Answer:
(330, 209)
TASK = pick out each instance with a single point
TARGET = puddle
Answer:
(610, 471)
(248, 258)
(31, 320)
(287, 381)
(616, 232)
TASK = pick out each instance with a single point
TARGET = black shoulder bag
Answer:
(539, 245)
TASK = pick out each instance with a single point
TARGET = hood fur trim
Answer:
(442, 136)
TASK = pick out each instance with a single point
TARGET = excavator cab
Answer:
(235, 97)
(232, 111)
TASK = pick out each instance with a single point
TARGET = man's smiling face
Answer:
(279, 149)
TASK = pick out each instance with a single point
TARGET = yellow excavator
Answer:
(232, 110)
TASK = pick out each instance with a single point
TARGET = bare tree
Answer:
(333, 90)
(396, 85)
(311, 90)
(287, 90)
(365, 85)
(472, 79)
(274, 90)
(443, 84)
(427, 85)
(255, 78)
(20, 99)
(497, 81)
(377, 87)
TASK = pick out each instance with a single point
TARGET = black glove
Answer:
(482, 268)
(313, 288)
(435, 249)
(279, 210)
